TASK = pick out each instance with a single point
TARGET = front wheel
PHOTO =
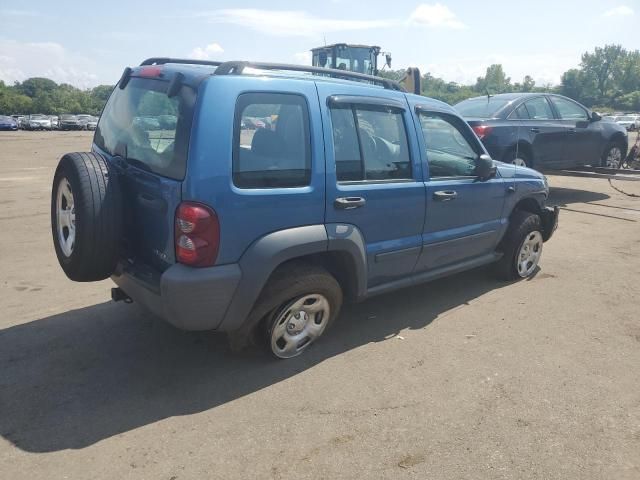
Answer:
(521, 246)
(613, 156)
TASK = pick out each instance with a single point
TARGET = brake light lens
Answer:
(149, 71)
(482, 130)
(197, 235)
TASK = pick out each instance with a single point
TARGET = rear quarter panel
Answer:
(246, 215)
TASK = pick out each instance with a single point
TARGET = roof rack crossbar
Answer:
(237, 67)
(183, 61)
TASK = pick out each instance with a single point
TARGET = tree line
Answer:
(608, 79)
(42, 95)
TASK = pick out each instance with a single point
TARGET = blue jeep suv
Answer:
(253, 199)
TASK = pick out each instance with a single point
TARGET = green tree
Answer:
(494, 81)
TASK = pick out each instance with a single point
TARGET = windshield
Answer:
(626, 119)
(38, 117)
(67, 117)
(151, 129)
(481, 107)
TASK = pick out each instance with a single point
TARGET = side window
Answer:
(370, 143)
(271, 147)
(519, 113)
(539, 109)
(569, 110)
(450, 151)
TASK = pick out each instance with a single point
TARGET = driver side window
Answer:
(370, 143)
(449, 151)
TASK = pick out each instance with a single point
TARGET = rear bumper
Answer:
(188, 298)
(549, 219)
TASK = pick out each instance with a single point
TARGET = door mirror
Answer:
(485, 169)
(595, 116)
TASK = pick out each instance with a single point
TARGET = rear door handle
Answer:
(349, 203)
(572, 130)
(535, 130)
(445, 195)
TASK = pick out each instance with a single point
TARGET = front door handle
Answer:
(535, 130)
(445, 195)
(349, 203)
(572, 130)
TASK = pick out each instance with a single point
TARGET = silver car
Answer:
(38, 122)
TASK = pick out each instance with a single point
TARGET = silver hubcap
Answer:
(299, 325)
(614, 158)
(529, 254)
(66, 217)
(519, 162)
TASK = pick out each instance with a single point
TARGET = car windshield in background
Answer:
(626, 119)
(67, 117)
(481, 107)
(38, 117)
(149, 126)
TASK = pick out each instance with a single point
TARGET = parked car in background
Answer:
(70, 122)
(38, 122)
(544, 131)
(84, 121)
(630, 122)
(55, 122)
(8, 123)
(92, 123)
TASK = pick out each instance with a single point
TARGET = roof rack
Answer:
(184, 61)
(237, 67)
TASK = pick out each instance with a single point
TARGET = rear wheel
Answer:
(519, 158)
(301, 301)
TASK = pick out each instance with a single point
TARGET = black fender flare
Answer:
(266, 254)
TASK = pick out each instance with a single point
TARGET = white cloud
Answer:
(302, 58)
(544, 69)
(19, 61)
(289, 22)
(435, 15)
(621, 11)
(206, 53)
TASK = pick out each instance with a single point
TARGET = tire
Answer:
(521, 159)
(522, 227)
(608, 162)
(87, 238)
(294, 285)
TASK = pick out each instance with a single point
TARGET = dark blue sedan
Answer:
(544, 131)
(8, 123)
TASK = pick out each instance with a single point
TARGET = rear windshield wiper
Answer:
(121, 151)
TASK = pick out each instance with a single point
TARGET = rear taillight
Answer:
(197, 235)
(482, 130)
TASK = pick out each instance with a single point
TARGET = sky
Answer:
(87, 43)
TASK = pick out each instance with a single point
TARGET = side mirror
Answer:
(411, 80)
(595, 117)
(387, 58)
(485, 169)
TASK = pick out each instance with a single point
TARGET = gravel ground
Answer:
(466, 377)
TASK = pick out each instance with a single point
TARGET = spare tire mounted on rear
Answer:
(86, 216)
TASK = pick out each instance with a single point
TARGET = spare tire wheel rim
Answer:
(66, 217)
(299, 324)
(529, 254)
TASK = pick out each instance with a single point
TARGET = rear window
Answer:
(150, 128)
(481, 107)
